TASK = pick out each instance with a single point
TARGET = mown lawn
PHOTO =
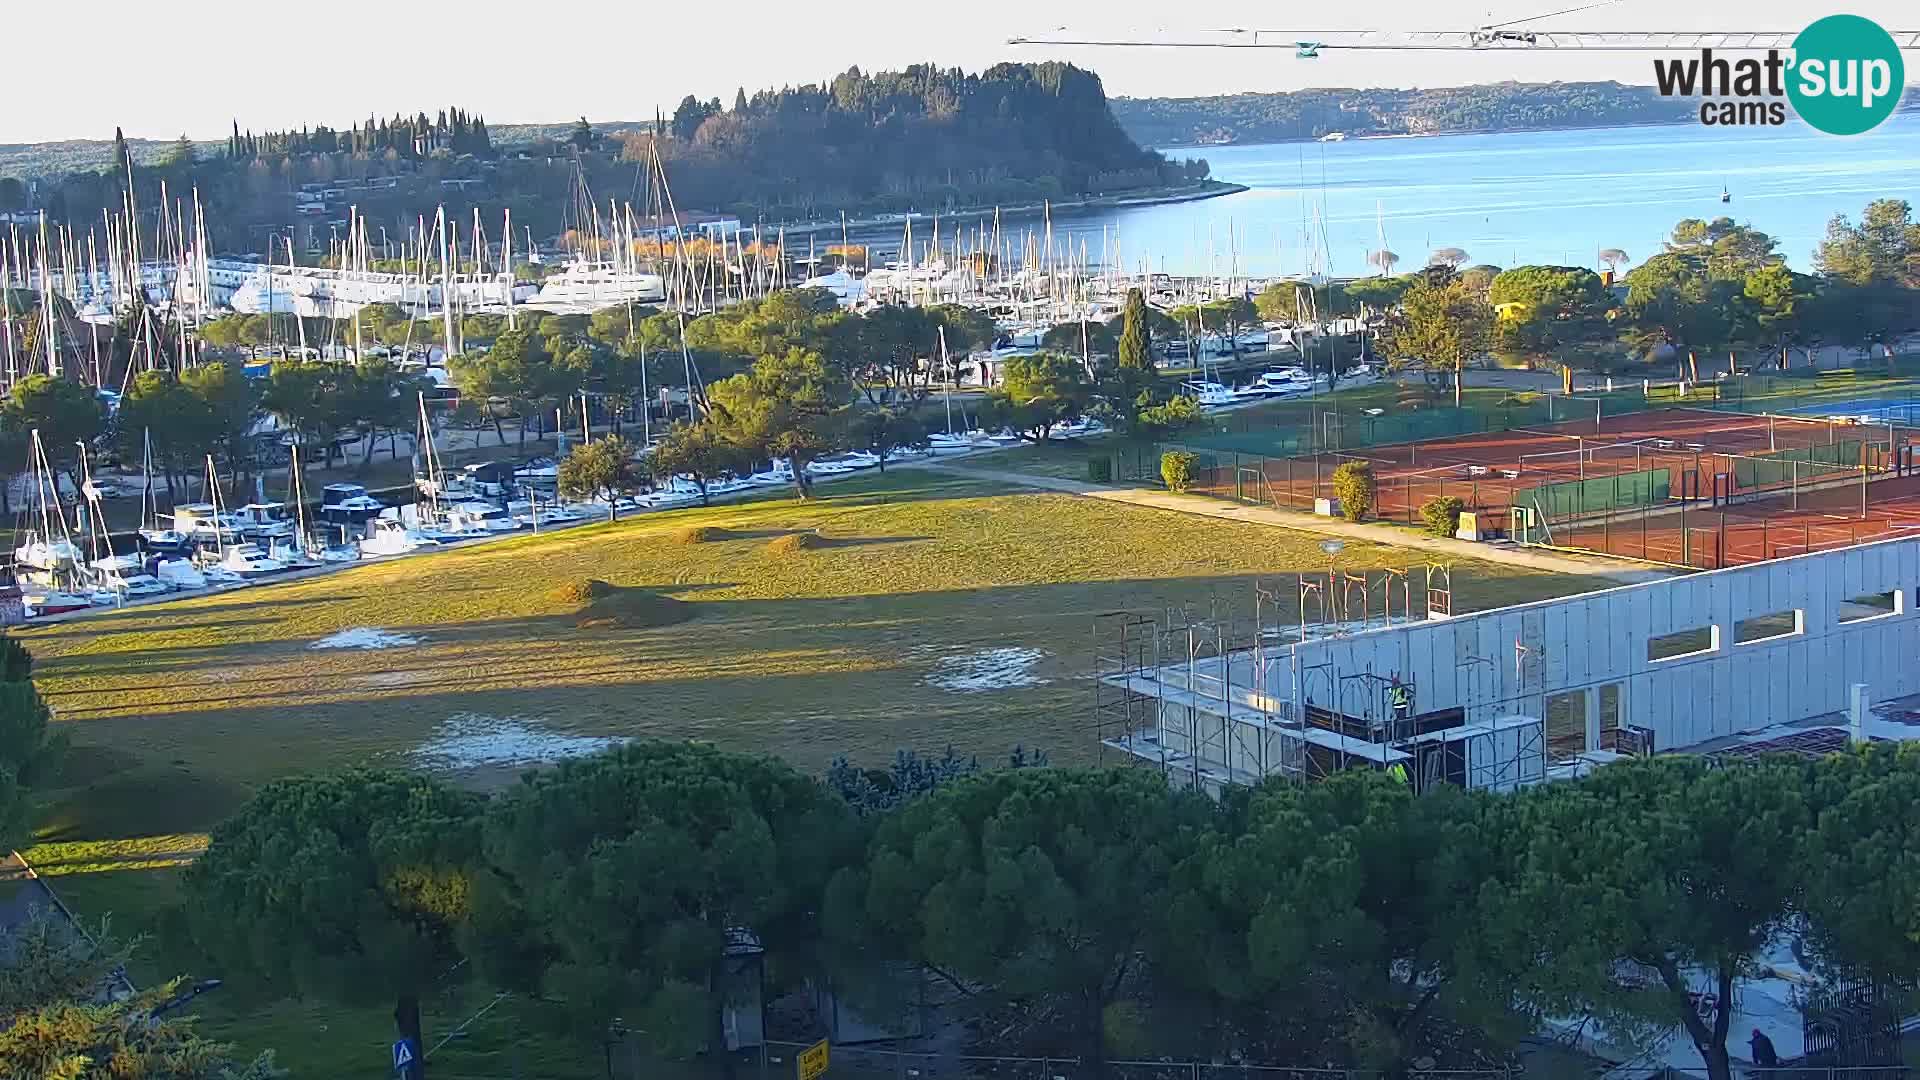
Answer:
(747, 636)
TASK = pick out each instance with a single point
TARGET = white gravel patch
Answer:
(986, 670)
(473, 740)
(365, 637)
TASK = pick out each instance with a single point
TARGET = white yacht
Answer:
(248, 561)
(48, 555)
(264, 521)
(590, 286)
(1207, 394)
(386, 536)
(200, 522)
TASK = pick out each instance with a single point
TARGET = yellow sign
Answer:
(813, 1060)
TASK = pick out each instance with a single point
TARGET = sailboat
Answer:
(48, 561)
(1725, 195)
(160, 541)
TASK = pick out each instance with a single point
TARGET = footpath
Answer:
(1508, 555)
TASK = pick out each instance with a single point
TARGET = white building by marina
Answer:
(1514, 695)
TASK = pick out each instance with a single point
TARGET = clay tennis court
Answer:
(1489, 471)
(1685, 486)
(1773, 527)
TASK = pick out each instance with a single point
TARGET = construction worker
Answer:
(1399, 772)
(1400, 700)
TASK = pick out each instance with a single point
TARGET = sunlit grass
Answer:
(177, 711)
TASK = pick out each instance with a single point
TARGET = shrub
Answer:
(1442, 515)
(699, 534)
(579, 591)
(793, 543)
(1176, 469)
(1100, 470)
(1354, 485)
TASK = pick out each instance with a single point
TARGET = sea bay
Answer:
(1506, 198)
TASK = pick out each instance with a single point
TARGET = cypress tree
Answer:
(1135, 350)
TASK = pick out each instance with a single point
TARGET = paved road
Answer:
(1530, 558)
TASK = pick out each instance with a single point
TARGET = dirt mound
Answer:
(701, 534)
(580, 591)
(793, 543)
(634, 609)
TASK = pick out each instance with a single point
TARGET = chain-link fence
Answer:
(888, 1063)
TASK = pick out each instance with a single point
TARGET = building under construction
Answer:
(1249, 692)
(1337, 670)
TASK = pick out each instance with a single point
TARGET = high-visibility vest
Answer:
(1399, 772)
(1399, 697)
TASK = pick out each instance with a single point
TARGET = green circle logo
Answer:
(1847, 75)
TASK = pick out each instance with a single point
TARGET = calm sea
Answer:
(1508, 199)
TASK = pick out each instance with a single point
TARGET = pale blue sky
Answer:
(196, 65)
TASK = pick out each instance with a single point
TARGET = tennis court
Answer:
(1578, 468)
(1868, 409)
(1779, 525)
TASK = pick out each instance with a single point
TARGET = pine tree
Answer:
(740, 100)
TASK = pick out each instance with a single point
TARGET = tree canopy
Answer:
(614, 882)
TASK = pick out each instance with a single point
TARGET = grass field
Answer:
(911, 610)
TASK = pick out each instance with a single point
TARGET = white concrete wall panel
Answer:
(1588, 641)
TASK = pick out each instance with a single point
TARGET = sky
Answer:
(196, 66)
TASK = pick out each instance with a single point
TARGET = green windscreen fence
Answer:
(1623, 491)
(1785, 467)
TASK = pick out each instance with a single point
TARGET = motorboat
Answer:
(141, 586)
(291, 555)
(539, 471)
(264, 521)
(664, 497)
(166, 541)
(180, 574)
(493, 519)
(388, 537)
(218, 575)
(41, 602)
(201, 522)
(1079, 429)
(1207, 394)
(825, 467)
(117, 589)
(553, 514)
(48, 555)
(348, 505)
(249, 561)
(942, 442)
(780, 472)
(340, 553)
(118, 566)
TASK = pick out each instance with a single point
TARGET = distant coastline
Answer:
(1270, 119)
(1383, 135)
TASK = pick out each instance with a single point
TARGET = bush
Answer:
(1354, 486)
(1442, 515)
(794, 543)
(579, 591)
(1176, 469)
(1100, 470)
(700, 534)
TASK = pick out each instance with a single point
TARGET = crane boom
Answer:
(1308, 42)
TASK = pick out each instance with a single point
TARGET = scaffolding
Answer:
(1230, 699)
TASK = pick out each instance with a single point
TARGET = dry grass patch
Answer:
(701, 534)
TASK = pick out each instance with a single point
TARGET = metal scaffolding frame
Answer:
(1225, 699)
